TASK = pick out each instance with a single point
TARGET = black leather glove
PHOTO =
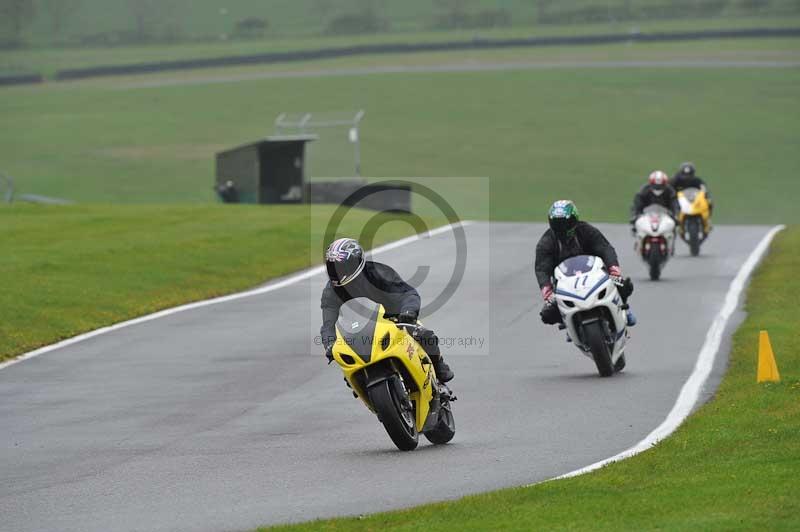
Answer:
(329, 354)
(626, 288)
(407, 316)
(550, 314)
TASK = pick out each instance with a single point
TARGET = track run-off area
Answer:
(464, 66)
(223, 415)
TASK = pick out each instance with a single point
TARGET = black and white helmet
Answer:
(344, 260)
(686, 170)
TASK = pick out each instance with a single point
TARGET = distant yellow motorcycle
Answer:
(390, 372)
(694, 220)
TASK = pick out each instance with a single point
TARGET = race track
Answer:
(220, 418)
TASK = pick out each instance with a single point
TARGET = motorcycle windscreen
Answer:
(691, 193)
(655, 209)
(357, 321)
(577, 265)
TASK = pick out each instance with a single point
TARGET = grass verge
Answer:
(588, 134)
(68, 270)
(732, 466)
(48, 60)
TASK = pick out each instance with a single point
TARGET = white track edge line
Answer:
(269, 287)
(690, 392)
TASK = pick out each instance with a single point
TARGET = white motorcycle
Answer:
(655, 238)
(592, 311)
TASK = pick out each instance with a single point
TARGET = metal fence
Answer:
(338, 148)
(6, 189)
(8, 194)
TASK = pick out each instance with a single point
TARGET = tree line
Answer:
(162, 20)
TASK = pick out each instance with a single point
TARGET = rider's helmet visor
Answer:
(341, 273)
(563, 227)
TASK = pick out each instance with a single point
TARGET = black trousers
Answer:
(429, 342)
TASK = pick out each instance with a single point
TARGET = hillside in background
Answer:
(123, 22)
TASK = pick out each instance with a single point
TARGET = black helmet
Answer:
(563, 218)
(344, 260)
(686, 170)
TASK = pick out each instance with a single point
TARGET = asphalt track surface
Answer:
(226, 417)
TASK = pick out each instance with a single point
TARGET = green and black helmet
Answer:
(563, 218)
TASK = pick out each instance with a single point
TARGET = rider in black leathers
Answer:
(686, 178)
(351, 276)
(568, 237)
(657, 191)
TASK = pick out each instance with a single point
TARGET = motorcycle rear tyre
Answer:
(654, 261)
(620, 365)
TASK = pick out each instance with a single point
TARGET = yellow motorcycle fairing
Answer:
(693, 202)
(366, 354)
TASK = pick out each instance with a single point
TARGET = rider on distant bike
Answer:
(568, 237)
(350, 276)
(686, 178)
(657, 191)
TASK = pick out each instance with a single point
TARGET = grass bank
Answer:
(732, 466)
(68, 270)
(47, 60)
(589, 134)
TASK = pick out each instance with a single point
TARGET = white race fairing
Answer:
(587, 297)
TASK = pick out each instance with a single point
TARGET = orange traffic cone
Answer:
(767, 367)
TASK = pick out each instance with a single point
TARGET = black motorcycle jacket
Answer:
(588, 240)
(647, 196)
(679, 182)
(377, 282)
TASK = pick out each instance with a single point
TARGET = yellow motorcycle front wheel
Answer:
(395, 410)
(694, 234)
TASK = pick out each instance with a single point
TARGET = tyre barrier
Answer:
(20, 79)
(394, 48)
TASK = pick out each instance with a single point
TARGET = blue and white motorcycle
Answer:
(593, 311)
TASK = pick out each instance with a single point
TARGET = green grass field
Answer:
(588, 134)
(732, 466)
(68, 270)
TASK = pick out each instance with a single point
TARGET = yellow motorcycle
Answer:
(390, 372)
(694, 220)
